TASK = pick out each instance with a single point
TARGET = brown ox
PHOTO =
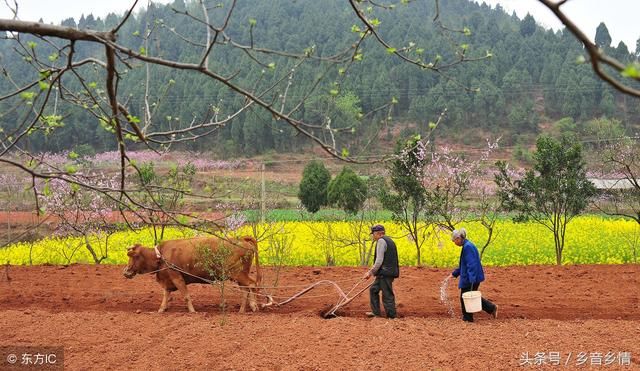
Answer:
(175, 257)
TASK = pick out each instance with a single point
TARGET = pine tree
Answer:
(313, 186)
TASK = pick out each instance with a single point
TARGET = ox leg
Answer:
(243, 303)
(241, 283)
(248, 287)
(165, 301)
(178, 281)
(252, 297)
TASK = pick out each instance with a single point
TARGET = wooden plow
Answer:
(343, 300)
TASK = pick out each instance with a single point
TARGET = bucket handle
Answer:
(470, 288)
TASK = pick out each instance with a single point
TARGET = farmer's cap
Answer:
(377, 228)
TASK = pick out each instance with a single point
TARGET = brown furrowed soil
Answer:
(577, 316)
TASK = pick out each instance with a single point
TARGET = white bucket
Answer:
(472, 301)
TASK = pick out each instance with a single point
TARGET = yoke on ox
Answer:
(177, 263)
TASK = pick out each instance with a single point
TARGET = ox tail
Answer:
(254, 242)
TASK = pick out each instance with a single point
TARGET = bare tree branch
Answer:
(596, 55)
(42, 29)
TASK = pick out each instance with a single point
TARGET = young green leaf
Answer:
(70, 169)
(47, 189)
(133, 119)
(27, 95)
(131, 137)
(632, 70)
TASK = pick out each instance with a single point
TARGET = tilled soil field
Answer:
(571, 317)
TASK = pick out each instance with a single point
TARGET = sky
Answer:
(54, 11)
(620, 16)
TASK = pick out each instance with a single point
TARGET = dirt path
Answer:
(104, 321)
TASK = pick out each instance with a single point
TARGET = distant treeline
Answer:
(533, 76)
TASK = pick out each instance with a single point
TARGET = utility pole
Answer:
(9, 195)
(626, 117)
(262, 196)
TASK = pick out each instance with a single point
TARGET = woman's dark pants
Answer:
(487, 306)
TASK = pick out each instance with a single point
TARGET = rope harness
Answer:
(175, 267)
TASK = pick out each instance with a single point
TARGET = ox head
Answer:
(136, 261)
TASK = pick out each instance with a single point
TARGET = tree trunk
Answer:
(8, 216)
(91, 251)
(6, 272)
(31, 253)
(559, 248)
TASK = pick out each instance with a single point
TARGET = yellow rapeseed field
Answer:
(590, 240)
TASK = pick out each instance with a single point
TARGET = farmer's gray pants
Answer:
(384, 284)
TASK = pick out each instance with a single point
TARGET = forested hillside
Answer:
(532, 79)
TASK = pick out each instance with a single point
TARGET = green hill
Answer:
(531, 81)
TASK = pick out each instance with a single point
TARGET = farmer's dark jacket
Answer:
(470, 268)
(390, 264)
